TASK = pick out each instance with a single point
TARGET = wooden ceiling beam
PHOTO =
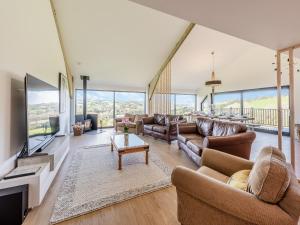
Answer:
(154, 81)
(68, 71)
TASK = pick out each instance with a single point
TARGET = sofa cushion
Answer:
(291, 200)
(160, 129)
(222, 128)
(269, 177)
(204, 126)
(148, 127)
(213, 174)
(196, 145)
(140, 117)
(186, 137)
(239, 180)
(131, 117)
(159, 119)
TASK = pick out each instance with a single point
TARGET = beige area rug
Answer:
(93, 181)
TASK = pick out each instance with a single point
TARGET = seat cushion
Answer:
(130, 124)
(148, 127)
(213, 174)
(196, 145)
(269, 177)
(159, 129)
(204, 126)
(239, 180)
(186, 137)
(222, 128)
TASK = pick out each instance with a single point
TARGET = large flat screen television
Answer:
(42, 112)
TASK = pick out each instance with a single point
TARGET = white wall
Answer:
(28, 44)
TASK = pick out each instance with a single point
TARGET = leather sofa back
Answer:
(205, 126)
(210, 127)
(222, 128)
(163, 120)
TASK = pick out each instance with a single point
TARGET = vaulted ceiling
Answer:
(118, 43)
(273, 24)
(121, 44)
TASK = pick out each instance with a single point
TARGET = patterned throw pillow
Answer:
(160, 119)
(239, 180)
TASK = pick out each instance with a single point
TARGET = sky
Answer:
(39, 97)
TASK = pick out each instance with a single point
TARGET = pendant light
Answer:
(213, 82)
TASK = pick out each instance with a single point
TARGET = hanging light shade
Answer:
(213, 82)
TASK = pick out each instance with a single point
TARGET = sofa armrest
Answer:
(236, 139)
(148, 120)
(119, 119)
(139, 126)
(237, 144)
(116, 120)
(232, 201)
(172, 128)
(223, 162)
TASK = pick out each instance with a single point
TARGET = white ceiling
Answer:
(192, 64)
(119, 44)
(271, 23)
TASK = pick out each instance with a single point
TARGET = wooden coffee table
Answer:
(128, 143)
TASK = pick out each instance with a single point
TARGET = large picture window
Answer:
(101, 103)
(110, 104)
(228, 102)
(185, 103)
(260, 104)
(129, 102)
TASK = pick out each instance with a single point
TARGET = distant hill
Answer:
(259, 103)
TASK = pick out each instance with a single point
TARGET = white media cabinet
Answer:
(40, 182)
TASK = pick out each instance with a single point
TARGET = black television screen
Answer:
(42, 104)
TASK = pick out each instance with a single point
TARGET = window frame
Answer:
(175, 102)
(248, 90)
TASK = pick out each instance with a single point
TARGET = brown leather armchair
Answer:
(205, 198)
(134, 124)
(228, 137)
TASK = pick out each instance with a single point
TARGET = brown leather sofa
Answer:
(162, 126)
(228, 137)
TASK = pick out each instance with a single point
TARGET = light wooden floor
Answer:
(157, 208)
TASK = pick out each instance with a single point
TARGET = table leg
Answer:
(120, 161)
(147, 156)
